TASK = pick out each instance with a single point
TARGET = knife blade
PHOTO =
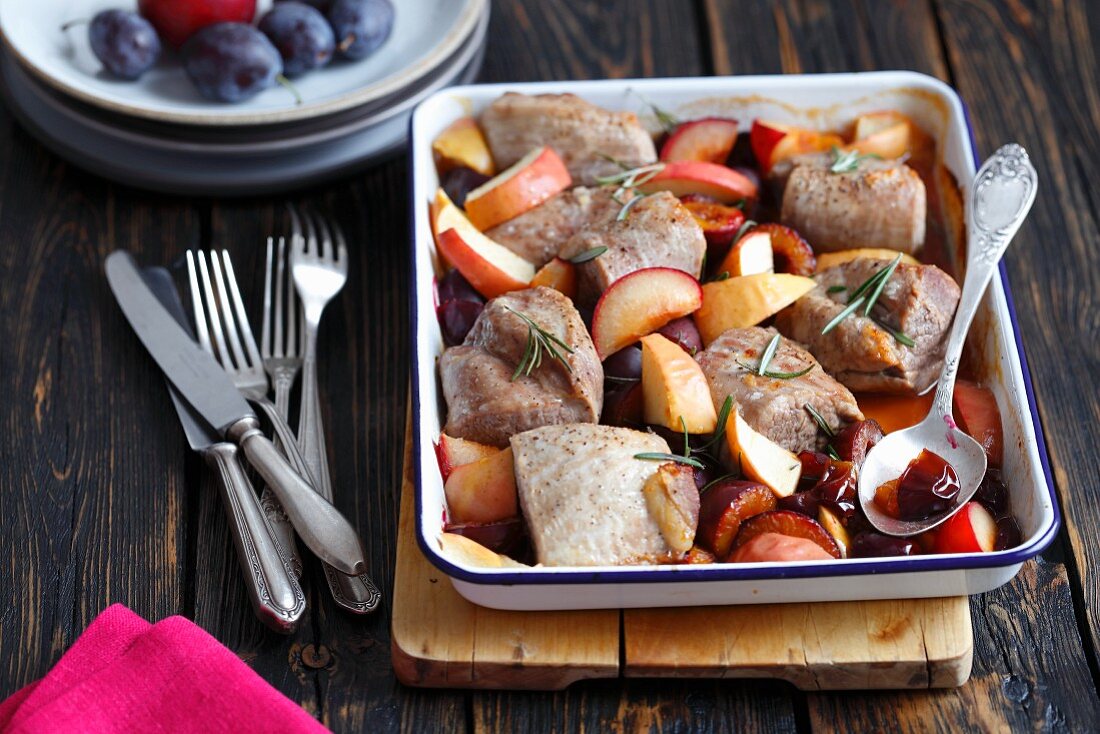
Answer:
(273, 588)
(210, 391)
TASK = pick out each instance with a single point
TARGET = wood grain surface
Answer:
(102, 502)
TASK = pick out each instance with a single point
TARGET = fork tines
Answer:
(222, 323)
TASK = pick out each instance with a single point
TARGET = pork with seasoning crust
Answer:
(581, 493)
(486, 405)
(584, 135)
(774, 406)
(882, 203)
(538, 234)
(658, 231)
(918, 301)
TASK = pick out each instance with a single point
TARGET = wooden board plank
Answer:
(442, 640)
(842, 645)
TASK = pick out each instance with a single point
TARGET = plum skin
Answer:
(125, 43)
(361, 26)
(301, 34)
(231, 62)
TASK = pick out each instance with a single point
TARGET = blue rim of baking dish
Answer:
(728, 572)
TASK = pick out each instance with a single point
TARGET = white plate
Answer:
(827, 101)
(253, 141)
(205, 173)
(425, 33)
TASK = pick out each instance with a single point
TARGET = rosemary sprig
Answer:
(848, 160)
(831, 452)
(723, 416)
(625, 211)
(765, 360)
(852, 306)
(836, 288)
(539, 340)
(612, 159)
(769, 352)
(898, 336)
(889, 270)
(775, 375)
(623, 380)
(667, 119)
(724, 275)
(588, 255)
(629, 176)
(657, 456)
(743, 229)
(819, 421)
(712, 482)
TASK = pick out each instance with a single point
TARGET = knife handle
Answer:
(273, 589)
(320, 525)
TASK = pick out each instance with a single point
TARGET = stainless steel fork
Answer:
(320, 269)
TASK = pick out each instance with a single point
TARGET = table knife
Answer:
(273, 588)
(208, 389)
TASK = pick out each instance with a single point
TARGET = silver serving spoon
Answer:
(1000, 198)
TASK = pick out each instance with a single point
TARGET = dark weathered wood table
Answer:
(102, 503)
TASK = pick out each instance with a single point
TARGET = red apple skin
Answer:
(708, 139)
(610, 333)
(763, 140)
(719, 182)
(178, 20)
(977, 413)
(970, 530)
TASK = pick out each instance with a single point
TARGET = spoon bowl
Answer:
(1000, 198)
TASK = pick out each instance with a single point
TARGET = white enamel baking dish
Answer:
(826, 101)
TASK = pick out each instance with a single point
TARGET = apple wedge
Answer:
(561, 275)
(891, 142)
(760, 458)
(491, 268)
(750, 255)
(483, 491)
(675, 389)
(709, 139)
(831, 259)
(672, 499)
(461, 144)
(773, 142)
(970, 530)
(455, 452)
(527, 183)
(747, 300)
(718, 182)
(461, 549)
(639, 303)
(977, 413)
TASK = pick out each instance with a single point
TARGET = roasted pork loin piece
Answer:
(486, 405)
(537, 235)
(774, 406)
(584, 135)
(581, 493)
(658, 231)
(918, 302)
(880, 204)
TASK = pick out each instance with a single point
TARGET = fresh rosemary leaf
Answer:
(630, 174)
(745, 227)
(832, 452)
(588, 255)
(724, 275)
(656, 456)
(614, 160)
(769, 352)
(836, 288)
(723, 416)
(889, 270)
(713, 482)
(539, 340)
(848, 160)
(775, 375)
(819, 420)
(898, 336)
(867, 285)
(624, 380)
(668, 120)
(852, 306)
(687, 439)
(625, 211)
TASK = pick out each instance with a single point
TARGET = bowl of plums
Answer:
(659, 325)
(234, 62)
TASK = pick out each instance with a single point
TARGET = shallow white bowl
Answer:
(823, 101)
(425, 34)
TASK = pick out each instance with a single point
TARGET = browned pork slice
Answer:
(918, 302)
(584, 135)
(880, 204)
(486, 405)
(537, 235)
(658, 231)
(580, 491)
(774, 406)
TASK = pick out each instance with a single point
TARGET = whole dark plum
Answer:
(304, 38)
(125, 43)
(322, 5)
(231, 62)
(361, 26)
(458, 182)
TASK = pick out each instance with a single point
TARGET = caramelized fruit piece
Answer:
(791, 253)
(672, 500)
(993, 494)
(456, 318)
(460, 181)
(1008, 534)
(853, 443)
(832, 523)
(814, 466)
(623, 405)
(876, 545)
(838, 488)
(719, 223)
(970, 530)
(625, 364)
(774, 547)
(698, 555)
(504, 536)
(977, 414)
(725, 507)
(928, 486)
(784, 522)
(886, 497)
(805, 503)
(454, 287)
(683, 331)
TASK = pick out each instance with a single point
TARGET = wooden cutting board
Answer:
(441, 640)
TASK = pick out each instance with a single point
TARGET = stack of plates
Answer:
(158, 133)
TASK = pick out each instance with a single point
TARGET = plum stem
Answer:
(290, 87)
(71, 23)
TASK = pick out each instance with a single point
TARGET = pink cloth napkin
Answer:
(127, 675)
